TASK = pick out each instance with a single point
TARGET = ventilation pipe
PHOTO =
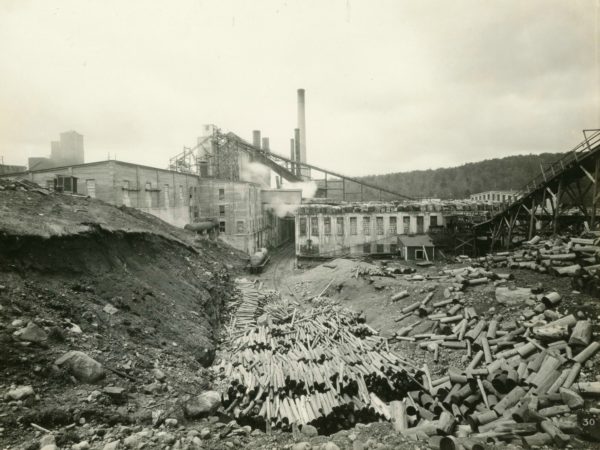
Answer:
(256, 138)
(302, 125)
(298, 159)
(265, 144)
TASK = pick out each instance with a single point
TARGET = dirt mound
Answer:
(140, 297)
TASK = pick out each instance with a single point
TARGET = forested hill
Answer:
(507, 173)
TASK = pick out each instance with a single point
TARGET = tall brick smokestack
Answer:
(256, 138)
(302, 125)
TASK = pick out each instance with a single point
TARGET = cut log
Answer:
(587, 352)
(571, 398)
(399, 416)
(551, 299)
(582, 333)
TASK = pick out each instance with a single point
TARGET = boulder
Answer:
(20, 393)
(81, 366)
(114, 445)
(205, 355)
(31, 333)
(202, 405)
(309, 431)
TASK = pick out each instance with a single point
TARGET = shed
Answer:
(416, 247)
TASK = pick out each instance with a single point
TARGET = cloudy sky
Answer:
(390, 85)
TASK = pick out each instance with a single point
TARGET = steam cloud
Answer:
(256, 173)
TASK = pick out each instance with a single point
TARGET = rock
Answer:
(115, 392)
(166, 438)
(47, 439)
(110, 309)
(83, 445)
(309, 431)
(171, 423)
(158, 374)
(301, 446)
(202, 405)
(357, 445)
(196, 442)
(114, 445)
(204, 433)
(17, 323)
(153, 388)
(49, 447)
(205, 355)
(20, 393)
(31, 333)
(81, 366)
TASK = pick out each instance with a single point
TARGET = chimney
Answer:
(298, 158)
(292, 155)
(302, 125)
(256, 138)
(265, 144)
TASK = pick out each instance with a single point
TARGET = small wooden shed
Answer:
(416, 247)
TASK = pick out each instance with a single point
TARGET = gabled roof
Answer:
(418, 240)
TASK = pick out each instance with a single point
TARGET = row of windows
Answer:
(366, 225)
(495, 197)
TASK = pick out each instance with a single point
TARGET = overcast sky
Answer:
(390, 85)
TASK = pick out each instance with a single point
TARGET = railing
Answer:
(590, 145)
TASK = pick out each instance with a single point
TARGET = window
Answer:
(366, 225)
(166, 192)
(148, 187)
(314, 226)
(379, 248)
(126, 200)
(393, 248)
(222, 210)
(366, 248)
(221, 194)
(433, 221)
(340, 226)
(393, 227)
(222, 226)
(419, 254)
(327, 226)
(406, 224)
(240, 226)
(180, 194)
(353, 226)
(90, 186)
(420, 225)
(302, 226)
(379, 224)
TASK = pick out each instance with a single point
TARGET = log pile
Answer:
(323, 366)
(250, 303)
(559, 256)
(519, 379)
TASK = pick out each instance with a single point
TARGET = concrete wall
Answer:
(323, 244)
(5, 168)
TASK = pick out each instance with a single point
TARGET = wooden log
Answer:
(571, 398)
(537, 439)
(557, 436)
(573, 373)
(554, 410)
(582, 333)
(551, 299)
(398, 414)
(446, 423)
(587, 352)
(509, 400)
(567, 270)
(587, 387)
(400, 295)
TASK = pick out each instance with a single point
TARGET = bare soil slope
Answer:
(124, 287)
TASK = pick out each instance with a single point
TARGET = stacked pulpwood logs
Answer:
(324, 366)
(578, 258)
(250, 304)
(520, 378)
(559, 256)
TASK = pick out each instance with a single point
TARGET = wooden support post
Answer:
(326, 190)
(595, 194)
(557, 205)
(344, 189)
(362, 196)
(532, 218)
(510, 229)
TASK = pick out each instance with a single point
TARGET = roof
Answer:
(419, 240)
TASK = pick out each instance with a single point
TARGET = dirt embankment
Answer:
(140, 297)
